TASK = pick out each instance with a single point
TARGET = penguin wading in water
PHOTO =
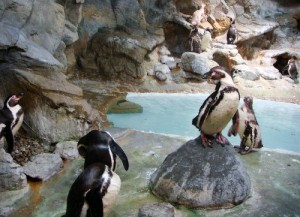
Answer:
(11, 119)
(95, 190)
(245, 124)
(218, 109)
(232, 32)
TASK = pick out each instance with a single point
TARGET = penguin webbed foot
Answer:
(222, 140)
(205, 141)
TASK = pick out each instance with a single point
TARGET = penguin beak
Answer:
(116, 149)
(18, 97)
(206, 75)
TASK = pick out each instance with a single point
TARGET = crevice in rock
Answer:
(281, 62)
(249, 48)
(174, 34)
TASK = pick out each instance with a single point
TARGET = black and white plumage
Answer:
(291, 68)
(95, 190)
(231, 33)
(11, 119)
(219, 108)
(195, 40)
(245, 124)
(206, 41)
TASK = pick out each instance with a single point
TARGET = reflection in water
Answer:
(33, 200)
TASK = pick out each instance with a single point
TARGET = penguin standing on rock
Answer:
(232, 32)
(195, 40)
(245, 124)
(95, 190)
(206, 42)
(218, 109)
(11, 119)
(292, 69)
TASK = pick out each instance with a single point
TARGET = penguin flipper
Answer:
(9, 138)
(246, 135)
(205, 110)
(235, 124)
(116, 149)
(94, 200)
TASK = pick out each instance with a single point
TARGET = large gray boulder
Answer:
(43, 166)
(120, 55)
(197, 63)
(12, 176)
(198, 177)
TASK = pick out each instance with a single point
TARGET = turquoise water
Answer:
(173, 114)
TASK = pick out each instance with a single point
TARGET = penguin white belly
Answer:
(18, 125)
(242, 122)
(222, 114)
(110, 197)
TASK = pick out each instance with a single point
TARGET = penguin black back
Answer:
(104, 141)
(95, 190)
(88, 183)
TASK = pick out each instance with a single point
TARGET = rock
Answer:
(161, 76)
(268, 72)
(97, 15)
(164, 59)
(43, 166)
(163, 68)
(12, 176)
(198, 177)
(48, 31)
(164, 51)
(161, 72)
(70, 34)
(157, 210)
(67, 150)
(197, 63)
(172, 64)
(123, 51)
(124, 106)
(246, 72)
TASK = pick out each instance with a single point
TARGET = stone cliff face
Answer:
(43, 41)
(33, 40)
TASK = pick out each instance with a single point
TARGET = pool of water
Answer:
(173, 114)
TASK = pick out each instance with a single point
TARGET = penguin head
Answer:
(215, 73)
(248, 100)
(12, 100)
(99, 146)
(208, 30)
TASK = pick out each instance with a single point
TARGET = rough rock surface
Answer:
(198, 177)
(197, 63)
(12, 176)
(159, 210)
(43, 166)
(67, 150)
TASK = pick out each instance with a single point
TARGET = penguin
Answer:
(11, 119)
(206, 42)
(198, 15)
(95, 190)
(244, 123)
(218, 109)
(291, 68)
(232, 32)
(195, 40)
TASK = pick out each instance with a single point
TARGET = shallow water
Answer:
(173, 114)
